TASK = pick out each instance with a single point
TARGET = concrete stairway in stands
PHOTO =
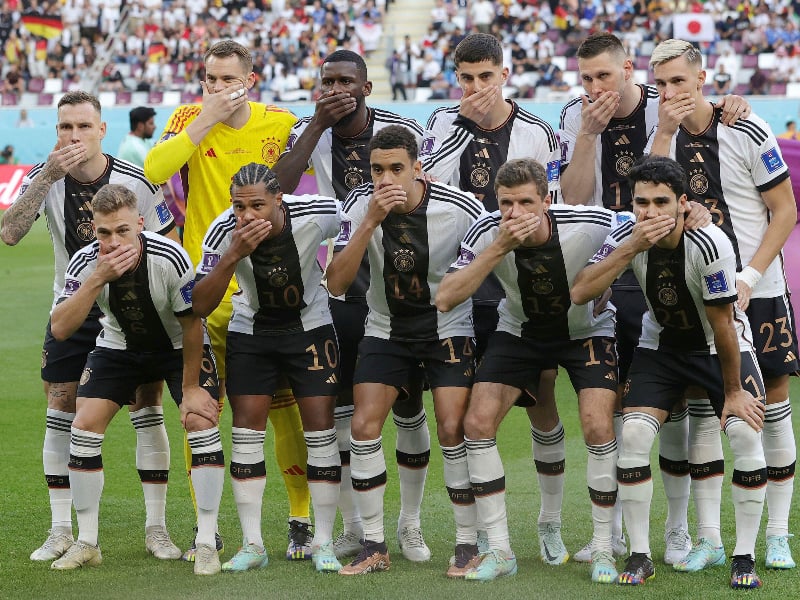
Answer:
(404, 17)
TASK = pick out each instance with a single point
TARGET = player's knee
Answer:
(746, 445)
(450, 431)
(477, 426)
(197, 423)
(639, 432)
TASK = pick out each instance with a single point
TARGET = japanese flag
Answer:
(693, 27)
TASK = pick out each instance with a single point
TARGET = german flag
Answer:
(156, 51)
(46, 26)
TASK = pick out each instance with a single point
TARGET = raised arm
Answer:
(210, 288)
(71, 311)
(18, 219)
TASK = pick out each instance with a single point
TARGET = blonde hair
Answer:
(113, 197)
(671, 49)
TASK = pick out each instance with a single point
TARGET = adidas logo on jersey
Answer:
(665, 273)
(697, 158)
(353, 156)
(540, 269)
(294, 470)
(210, 153)
(209, 382)
(129, 296)
(611, 376)
(622, 141)
(789, 357)
(331, 379)
(483, 153)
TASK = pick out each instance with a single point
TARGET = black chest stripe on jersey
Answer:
(406, 264)
(671, 300)
(279, 283)
(172, 255)
(622, 231)
(544, 289)
(753, 131)
(132, 171)
(480, 228)
(80, 261)
(700, 157)
(132, 305)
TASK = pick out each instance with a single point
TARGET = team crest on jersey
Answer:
(624, 163)
(427, 146)
(85, 232)
(465, 257)
(604, 251)
(698, 183)
(162, 210)
(209, 261)
(353, 178)
(668, 296)
(278, 277)
(86, 376)
(270, 151)
(772, 160)
(542, 287)
(186, 292)
(404, 260)
(716, 283)
(479, 177)
(553, 170)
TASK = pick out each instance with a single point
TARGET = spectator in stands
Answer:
(7, 156)
(722, 80)
(409, 56)
(13, 83)
(439, 14)
(429, 70)
(786, 65)
(440, 87)
(482, 13)
(24, 120)
(394, 64)
(547, 72)
(791, 132)
(759, 83)
(137, 144)
(730, 61)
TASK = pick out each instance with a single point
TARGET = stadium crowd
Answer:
(161, 44)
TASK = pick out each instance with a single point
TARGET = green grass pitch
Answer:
(128, 572)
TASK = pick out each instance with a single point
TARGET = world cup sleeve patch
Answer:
(716, 283)
(290, 142)
(344, 232)
(186, 292)
(553, 168)
(772, 160)
(427, 146)
(209, 261)
(70, 287)
(162, 210)
(604, 251)
(465, 257)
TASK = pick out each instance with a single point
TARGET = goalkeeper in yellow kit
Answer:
(208, 143)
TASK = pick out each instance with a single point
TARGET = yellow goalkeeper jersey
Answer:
(206, 169)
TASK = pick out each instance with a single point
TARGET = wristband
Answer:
(750, 276)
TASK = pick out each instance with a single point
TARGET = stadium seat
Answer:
(107, 99)
(53, 85)
(456, 93)
(10, 99)
(139, 98)
(253, 94)
(741, 89)
(793, 90)
(421, 94)
(28, 99)
(171, 98)
(766, 60)
(188, 97)
(711, 61)
(750, 61)
(36, 85)
(642, 63)
(45, 99)
(123, 97)
(572, 63)
(778, 89)
(155, 98)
